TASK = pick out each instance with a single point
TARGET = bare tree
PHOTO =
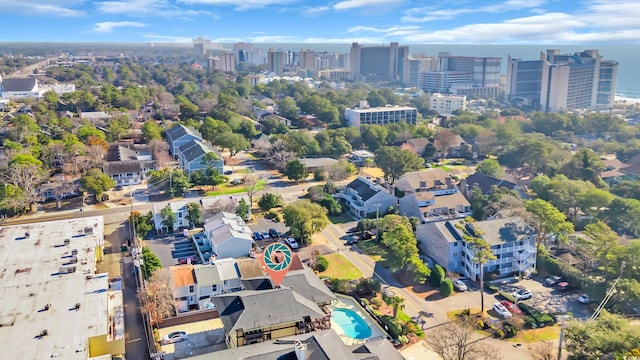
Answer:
(250, 186)
(27, 177)
(160, 150)
(443, 140)
(157, 299)
(280, 153)
(95, 155)
(543, 350)
(457, 341)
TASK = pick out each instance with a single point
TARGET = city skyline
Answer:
(343, 21)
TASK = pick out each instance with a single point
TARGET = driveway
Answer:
(170, 249)
(548, 299)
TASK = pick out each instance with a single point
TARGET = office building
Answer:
(464, 75)
(307, 60)
(381, 115)
(222, 62)
(276, 61)
(54, 304)
(446, 103)
(200, 45)
(414, 66)
(377, 63)
(557, 82)
(247, 53)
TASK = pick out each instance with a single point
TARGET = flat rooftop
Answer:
(47, 283)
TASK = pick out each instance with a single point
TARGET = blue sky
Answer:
(314, 21)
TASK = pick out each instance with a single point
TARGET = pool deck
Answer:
(351, 304)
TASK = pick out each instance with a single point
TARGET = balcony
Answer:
(524, 255)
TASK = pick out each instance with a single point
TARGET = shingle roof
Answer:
(121, 167)
(318, 162)
(306, 283)
(220, 270)
(365, 191)
(246, 309)
(182, 275)
(180, 130)
(19, 84)
(249, 268)
(431, 177)
(194, 149)
(485, 182)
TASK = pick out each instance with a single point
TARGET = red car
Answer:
(513, 308)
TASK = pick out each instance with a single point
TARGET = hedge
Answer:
(507, 296)
(393, 325)
(540, 318)
(446, 287)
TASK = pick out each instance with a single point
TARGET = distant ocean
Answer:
(627, 85)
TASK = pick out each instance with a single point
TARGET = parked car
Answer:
(563, 286)
(352, 240)
(274, 233)
(352, 230)
(459, 285)
(291, 242)
(522, 294)
(585, 299)
(367, 235)
(236, 182)
(265, 235)
(118, 188)
(228, 172)
(513, 308)
(174, 337)
(501, 310)
(257, 235)
(552, 280)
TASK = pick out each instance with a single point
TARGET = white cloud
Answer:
(315, 11)
(273, 39)
(354, 4)
(391, 29)
(108, 26)
(239, 4)
(431, 13)
(63, 8)
(141, 8)
(173, 39)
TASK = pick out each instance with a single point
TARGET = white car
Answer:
(501, 310)
(174, 337)
(522, 294)
(584, 299)
(459, 285)
(291, 242)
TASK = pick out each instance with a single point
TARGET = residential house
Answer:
(219, 276)
(485, 183)
(359, 157)
(306, 283)
(416, 145)
(428, 206)
(248, 318)
(510, 239)
(454, 146)
(227, 236)
(612, 174)
(183, 286)
(432, 180)
(179, 208)
(362, 197)
(267, 115)
(180, 135)
(127, 164)
(16, 88)
(58, 191)
(314, 164)
(192, 156)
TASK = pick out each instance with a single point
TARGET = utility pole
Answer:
(608, 296)
(377, 221)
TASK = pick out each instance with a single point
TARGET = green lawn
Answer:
(378, 252)
(340, 268)
(228, 189)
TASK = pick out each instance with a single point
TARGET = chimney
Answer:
(300, 350)
(447, 181)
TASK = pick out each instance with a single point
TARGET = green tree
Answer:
(151, 131)
(269, 201)
(194, 215)
(151, 263)
(437, 275)
(168, 217)
(402, 243)
(96, 182)
(603, 240)
(208, 176)
(87, 130)
(394, 162)
(212, 129)
(179, 183)
(295, 170)
(375, 136)
(396, 303)
(305, 219)
(232, 142)
(482, 253)
(243, 209)
(446, 287)
(25, 173)
(622, 215)
(608, 335)
(490, 167)
(142, 223)
(548, 220)
(594, 200)
(288, 108)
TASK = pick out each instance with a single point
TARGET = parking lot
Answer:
(171, 250)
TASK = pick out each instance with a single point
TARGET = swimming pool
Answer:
(351, 323)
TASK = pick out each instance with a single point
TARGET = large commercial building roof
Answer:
(54, 305)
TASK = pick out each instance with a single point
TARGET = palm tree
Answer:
(481, 251)
(397, 303)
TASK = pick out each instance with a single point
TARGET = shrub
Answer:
(319, 174)
(322, 264)
(377, 302)
(393, 325)
(403, 339)
(268, 201)
(499, 334)
(273, 216)
(507, 296)
(490, 289)
(341, 286)
(480, 324)
(368, 286)
(436, 276)
(509, 330)
(446, 287)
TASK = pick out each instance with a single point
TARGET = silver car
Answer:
(174, 337)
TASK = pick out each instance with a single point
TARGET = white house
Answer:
(219, 277)
(128, 165)
(362, 197)
(179, 208)
(447, 103)
(359, 157)
(510, 239)
(180, 135)
(228, 235)
(183, 287)
(427, 206)
(16, 88)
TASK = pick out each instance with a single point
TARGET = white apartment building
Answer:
(381, 115)
(447, 104)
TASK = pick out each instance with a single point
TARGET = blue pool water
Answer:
(351, 323)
